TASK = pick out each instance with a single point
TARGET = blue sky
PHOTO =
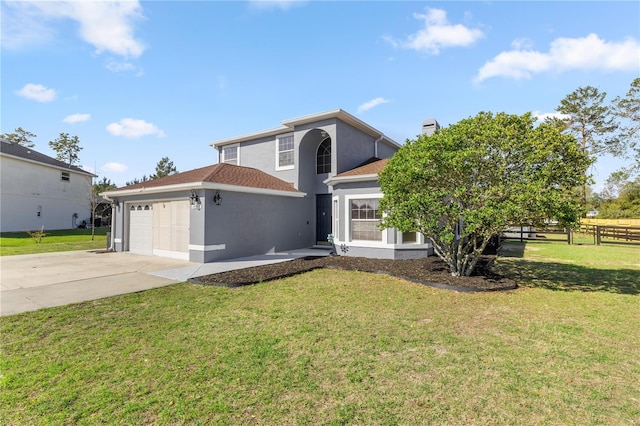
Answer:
(138, 81)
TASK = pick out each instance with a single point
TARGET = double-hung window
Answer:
(365, 219)
(284, 154)
(65, 176)
(230, 154)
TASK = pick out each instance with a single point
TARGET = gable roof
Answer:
(368, 171)
(289, 125)
(29, 154)
(218, 176)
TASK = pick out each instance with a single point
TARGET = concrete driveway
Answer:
(35, 281)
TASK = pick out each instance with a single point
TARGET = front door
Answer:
(323, 218)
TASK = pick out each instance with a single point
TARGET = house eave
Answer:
(40, 163)
(289, 125)
(251, 136)
(335, 180)
(200, 185)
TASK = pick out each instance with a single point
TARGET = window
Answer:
(65, 177)
(230, 154)
(285, 152)
(365, 218)
(323, 157)
(409, 238)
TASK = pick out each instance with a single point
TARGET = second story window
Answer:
(323, 158)
(65, 177)
(230, 154)
(285, 152)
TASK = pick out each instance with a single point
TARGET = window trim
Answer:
(328, 138)
(222, 156)
(278, 152)
(64, 174)
(347, 224)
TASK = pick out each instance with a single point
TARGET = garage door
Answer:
(171, 229)
(141, 228)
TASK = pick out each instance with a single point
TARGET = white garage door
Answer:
(160, 228)
(141, 228)
(171, 229)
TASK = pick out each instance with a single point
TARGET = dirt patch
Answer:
(430, 271)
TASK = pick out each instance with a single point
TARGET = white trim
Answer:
(181, 255)
(237, 147)
(117, 240)
(250, 136)
(64, 168)
(335, 226)
(308, 119)
(202, 185)
(350, 179)
(213, 247)
(347, 223)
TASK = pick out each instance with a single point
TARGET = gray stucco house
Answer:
(280, 189)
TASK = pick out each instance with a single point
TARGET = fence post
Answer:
(569, 236)
(521, 232)
(597, 235)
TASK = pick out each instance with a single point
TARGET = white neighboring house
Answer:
(37, 190)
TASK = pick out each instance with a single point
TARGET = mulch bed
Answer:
(431, 271)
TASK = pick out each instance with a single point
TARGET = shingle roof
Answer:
(221, 173)
(19, 151)
(369, 168)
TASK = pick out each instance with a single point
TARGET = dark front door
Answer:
(323, 218)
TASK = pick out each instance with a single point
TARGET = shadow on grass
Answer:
(566, 277)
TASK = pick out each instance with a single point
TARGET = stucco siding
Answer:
(248, 224)
(391, 245)
(353, 147)
(34, 195)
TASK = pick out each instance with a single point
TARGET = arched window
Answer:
(323, 158)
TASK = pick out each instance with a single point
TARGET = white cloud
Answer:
(107, 25)
(274, 4)
(118, 66)
(132, 128)
(437, 34)
(76, 118)
(587, 53)
(542, 116)
(114, 167)
(37, 92)
(372, 104)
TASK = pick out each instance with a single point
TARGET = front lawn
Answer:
(12, 243)
(329, 347)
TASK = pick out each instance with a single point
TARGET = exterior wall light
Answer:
(194, 200)
(217, 199)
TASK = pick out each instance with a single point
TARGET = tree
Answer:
(164, 168)
(136, 180)
(592, 124)
(626, 205)
(20, 137)
(627, 110)
(466, 183)
(66, 148)
(97, 203)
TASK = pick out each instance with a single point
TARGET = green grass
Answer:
(13, 243)
(558, 266)
(331, 347)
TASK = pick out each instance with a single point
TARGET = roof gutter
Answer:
(201, 185)
(332, 181)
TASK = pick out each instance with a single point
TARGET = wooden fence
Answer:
(628, 234)
(600, 233)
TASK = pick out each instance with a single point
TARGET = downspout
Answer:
(375, 146)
